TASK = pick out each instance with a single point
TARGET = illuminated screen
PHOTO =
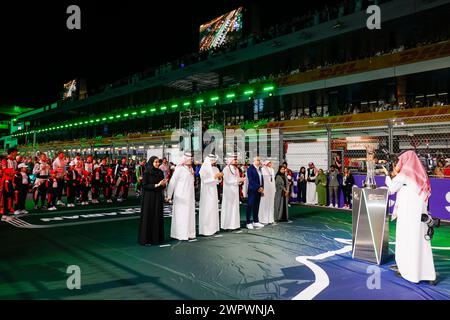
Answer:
(70, 89)
(223, 29)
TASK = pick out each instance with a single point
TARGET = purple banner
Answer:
(439, 200)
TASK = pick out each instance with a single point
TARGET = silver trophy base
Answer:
(370, 225)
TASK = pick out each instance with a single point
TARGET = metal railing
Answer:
(429, 136)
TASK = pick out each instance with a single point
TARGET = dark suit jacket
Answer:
(254, 183)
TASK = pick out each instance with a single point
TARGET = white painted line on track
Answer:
(321, 278)
(23, 224)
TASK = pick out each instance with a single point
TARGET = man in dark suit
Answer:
(254, 193)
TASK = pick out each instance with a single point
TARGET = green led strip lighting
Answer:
(264, 89)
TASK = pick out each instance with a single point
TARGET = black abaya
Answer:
(151, 228)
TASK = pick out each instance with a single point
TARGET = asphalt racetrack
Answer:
(307, 258)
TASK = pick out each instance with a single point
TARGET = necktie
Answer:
(261, 180)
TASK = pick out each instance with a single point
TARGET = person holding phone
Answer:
(413, 254)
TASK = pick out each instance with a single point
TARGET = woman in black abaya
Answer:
(151, 227)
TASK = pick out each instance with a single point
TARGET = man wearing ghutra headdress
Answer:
(230, 214)
(311, 175)
(413, 253)
(266, 206)
(181, 189)
(209, 200)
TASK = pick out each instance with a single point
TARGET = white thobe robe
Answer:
(266, 206)
(230, 214)
(209, 203)
(413, 253)
(181, 188)
(311, 193)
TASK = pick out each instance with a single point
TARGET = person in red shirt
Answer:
(123, 186)
(108, 186)
(1, 190)
(338, 163)
(85, 185)
(10, 161)
(8, 191)
(52, 190)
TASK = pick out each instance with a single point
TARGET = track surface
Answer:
(309, 258)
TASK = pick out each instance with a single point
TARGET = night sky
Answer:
(39, 54)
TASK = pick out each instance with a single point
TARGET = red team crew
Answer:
(85, 185)
(52, 190)
(79, 180)
(72, 179)
(123, 185)
(8, 191)
(108, 186)
(22, 187)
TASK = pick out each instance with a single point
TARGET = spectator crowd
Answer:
(80, 180)
(67, 182)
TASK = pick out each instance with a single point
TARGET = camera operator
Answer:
(413, 253)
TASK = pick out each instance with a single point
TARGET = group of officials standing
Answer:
(267, 198)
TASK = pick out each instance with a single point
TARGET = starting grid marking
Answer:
(77, 217)
(71, 219)
(122, 214)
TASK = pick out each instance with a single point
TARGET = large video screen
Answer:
(221, 30)
(70, 89)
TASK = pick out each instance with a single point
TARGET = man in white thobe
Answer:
(209, 199)
(266, 207)
(181, 190)
(311, 193)
(413, 253)
(230, 213)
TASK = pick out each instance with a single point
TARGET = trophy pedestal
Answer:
(370, 225)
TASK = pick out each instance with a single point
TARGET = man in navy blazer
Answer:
(254, 193)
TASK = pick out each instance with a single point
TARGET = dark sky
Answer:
(38, 53)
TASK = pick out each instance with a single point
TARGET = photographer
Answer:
(413, 253)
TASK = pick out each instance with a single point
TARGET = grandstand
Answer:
(393, 71)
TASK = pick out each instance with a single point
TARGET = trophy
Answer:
(370, 227)
(370, 165)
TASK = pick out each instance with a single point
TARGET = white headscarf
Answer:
(411, 168)
(186, 158)
(207, 165)
(267, 170)
(231, 158)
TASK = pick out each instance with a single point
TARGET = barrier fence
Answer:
(346, 143)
